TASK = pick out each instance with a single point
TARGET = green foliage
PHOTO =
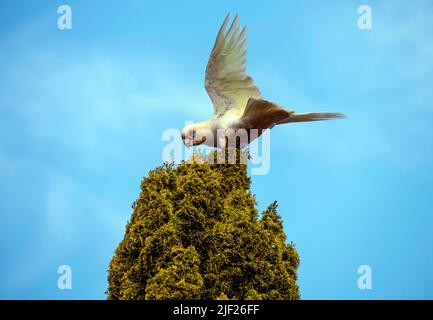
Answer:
(180, 280)
(195, 234)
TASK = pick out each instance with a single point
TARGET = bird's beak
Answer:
(185, 140)
(187, 143)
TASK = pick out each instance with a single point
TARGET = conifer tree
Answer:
(195, 234)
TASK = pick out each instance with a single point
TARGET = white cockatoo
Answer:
(240, 111)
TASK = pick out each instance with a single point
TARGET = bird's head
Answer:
(194, 134)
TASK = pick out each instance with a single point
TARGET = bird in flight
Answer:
(240, 112)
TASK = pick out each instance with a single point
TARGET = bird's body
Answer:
(241, 114)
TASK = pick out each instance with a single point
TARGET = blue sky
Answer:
(82, 112)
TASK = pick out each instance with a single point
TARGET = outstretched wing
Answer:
(227, 84)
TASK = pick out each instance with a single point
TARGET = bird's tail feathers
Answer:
(312, 116)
